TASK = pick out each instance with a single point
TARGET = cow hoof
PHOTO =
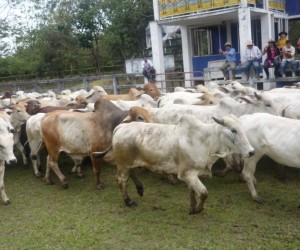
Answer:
(130, 203)
(49, 182)
(7, 202)
(258, 199)
(195, 210)
(140, 191)
(65, 185)
(38, 175)
(99, 186)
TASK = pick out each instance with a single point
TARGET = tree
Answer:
(127, 19)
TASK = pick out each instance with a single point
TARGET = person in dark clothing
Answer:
(273, 58)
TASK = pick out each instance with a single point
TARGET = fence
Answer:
(172, 80)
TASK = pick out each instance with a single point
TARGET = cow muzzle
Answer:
(251, 153)
(11, 161)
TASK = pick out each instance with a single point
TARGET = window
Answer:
(202, 44)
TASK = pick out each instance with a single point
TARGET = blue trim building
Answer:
(207, 24)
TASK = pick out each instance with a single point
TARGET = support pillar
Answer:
(244, 29)
(228, 33)
(266, 32)
(158, 55)
(187, 55)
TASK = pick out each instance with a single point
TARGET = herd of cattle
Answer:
(182, 133)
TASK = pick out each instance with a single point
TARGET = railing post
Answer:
(86, 85)
(115, 85)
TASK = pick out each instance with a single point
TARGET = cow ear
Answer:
(225, 90)
(229, 135)
(246, 100)
(219, 120)
(140, 118)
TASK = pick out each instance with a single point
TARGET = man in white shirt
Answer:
(148, 69)
(251, 58)
(288, 57)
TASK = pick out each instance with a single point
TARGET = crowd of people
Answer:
(280, 55)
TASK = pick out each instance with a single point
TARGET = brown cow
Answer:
(80, 134)
(152, 90)
(132, 95)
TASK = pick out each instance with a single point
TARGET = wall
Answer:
(292, 7)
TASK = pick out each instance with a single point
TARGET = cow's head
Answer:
(18, 115)
(138, 114)
(6, 144)
(262, 103)
(33, 107)
(234, 137)
(152, 90)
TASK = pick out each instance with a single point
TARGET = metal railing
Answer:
(171, 80)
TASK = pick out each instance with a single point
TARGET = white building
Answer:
(207, 24)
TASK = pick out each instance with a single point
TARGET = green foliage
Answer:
(125, 34)
(294, 34)
(73, 34)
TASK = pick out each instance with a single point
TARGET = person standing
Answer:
(288, 53)
(282, 39)
(148, 69)
(273, 58)
(230, 63)
(251, 58)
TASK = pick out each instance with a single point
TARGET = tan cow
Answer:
(132, 95)
(80, 134)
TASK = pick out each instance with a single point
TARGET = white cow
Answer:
(18, 117)
(188, 149)
(168, 99)
(171, 114)
(287, 104)
(276, 137)
(35, 140)
(6, 154)
(143, 101)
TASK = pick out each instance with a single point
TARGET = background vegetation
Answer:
(48, 217)
(67, 37)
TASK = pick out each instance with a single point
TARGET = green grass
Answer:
(48, 217)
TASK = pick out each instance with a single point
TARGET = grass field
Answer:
(48, 217)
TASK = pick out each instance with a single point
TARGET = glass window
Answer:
(202, 42)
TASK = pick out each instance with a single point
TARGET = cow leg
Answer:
(35, 163)
(96, 169)
(36, 147)
(193, 198)
(198, 192)
(21, 149)
(226, 170)
(233, 161)
(47, 174)
(248, 176)
(138, 185)
(2, 188)
(52, 164)
(77, 168)
(122, 179)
